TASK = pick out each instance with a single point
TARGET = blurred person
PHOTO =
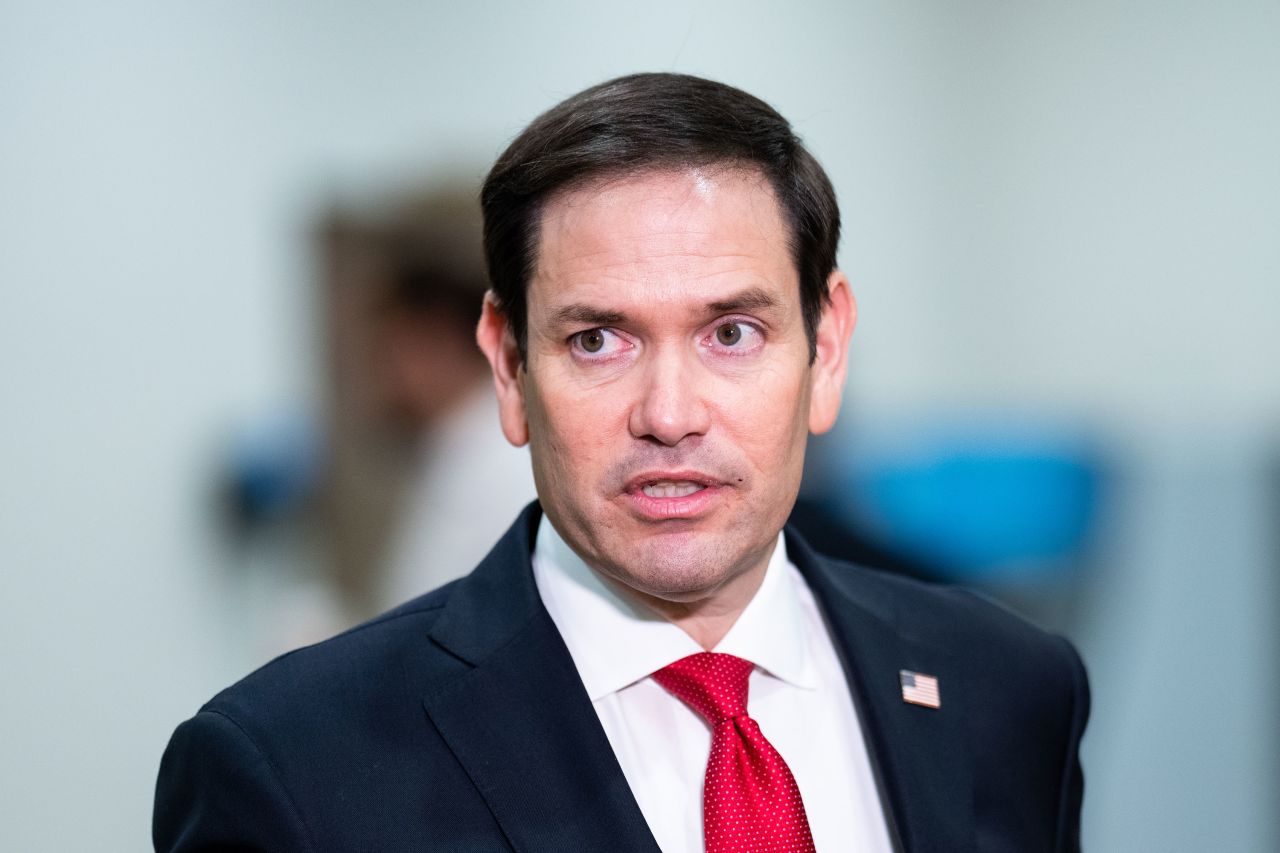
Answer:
(421, 480)
(647, 660)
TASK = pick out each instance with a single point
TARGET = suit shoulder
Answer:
(359, 665)
(1035, 676)
(952, 615)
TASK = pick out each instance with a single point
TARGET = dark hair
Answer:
(645, 122)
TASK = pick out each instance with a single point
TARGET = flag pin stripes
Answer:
(919, 689)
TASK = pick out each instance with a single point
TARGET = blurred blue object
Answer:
(274, 467)
(976, 503)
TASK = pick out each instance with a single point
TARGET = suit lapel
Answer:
(920, 754)
(520, 722)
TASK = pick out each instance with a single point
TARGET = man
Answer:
(645, 661)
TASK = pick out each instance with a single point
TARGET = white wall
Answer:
(1062, 206)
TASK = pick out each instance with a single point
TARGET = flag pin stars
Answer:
(919, 689)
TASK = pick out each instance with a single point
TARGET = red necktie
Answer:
(750, 802)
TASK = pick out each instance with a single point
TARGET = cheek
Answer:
(567, 435)
(771, 422)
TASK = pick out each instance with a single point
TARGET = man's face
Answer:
(668, 392)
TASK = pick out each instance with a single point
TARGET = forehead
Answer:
(691, 233)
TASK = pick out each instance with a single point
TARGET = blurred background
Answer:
(234, 266)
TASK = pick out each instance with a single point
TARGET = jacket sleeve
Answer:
(218, 791)
(1072, 789)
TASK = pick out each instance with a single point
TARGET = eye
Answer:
(597, 343)
(729, 334)
(736, 335)
(592, 340)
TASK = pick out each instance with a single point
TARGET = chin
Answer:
(681, 567)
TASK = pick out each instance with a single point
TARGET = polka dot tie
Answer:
(750, 802)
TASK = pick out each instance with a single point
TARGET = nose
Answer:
(671, 405)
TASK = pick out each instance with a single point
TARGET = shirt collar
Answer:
(615, 642)
(771, 630)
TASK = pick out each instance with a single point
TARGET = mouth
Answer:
(671, 488)
(667, 495)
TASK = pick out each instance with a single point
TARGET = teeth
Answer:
(671, 489)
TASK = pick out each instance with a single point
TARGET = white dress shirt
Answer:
(797, 693)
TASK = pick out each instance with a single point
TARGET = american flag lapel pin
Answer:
(919, 689)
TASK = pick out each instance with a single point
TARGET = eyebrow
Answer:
(752, 299)
(578, 314)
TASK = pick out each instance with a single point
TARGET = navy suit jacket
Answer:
(457, 722)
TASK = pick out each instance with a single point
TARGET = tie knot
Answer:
(714, 685)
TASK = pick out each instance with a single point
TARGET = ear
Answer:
(498, 344)
(831, 361)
